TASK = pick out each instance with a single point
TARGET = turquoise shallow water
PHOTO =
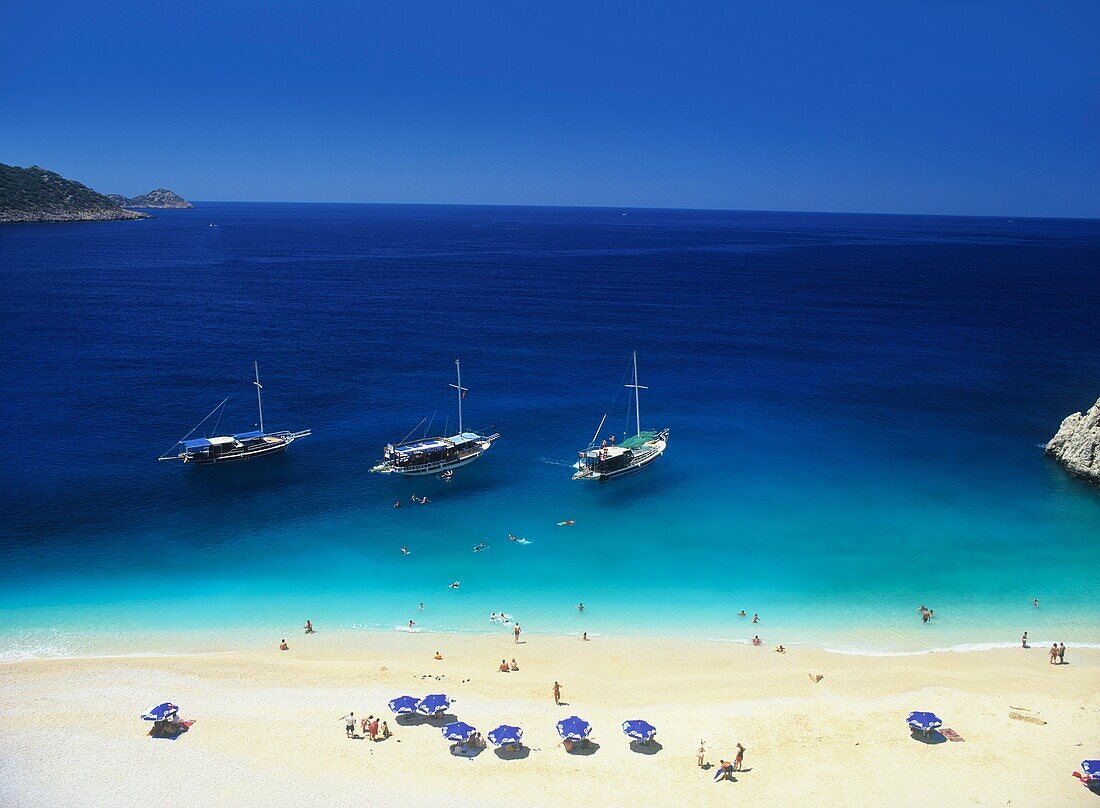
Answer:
(856, 404)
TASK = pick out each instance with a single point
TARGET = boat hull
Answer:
(635, 467)
(434, 467)
(240, 457)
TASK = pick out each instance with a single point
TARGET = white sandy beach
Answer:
(268, 728)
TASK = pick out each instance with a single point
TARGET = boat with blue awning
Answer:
(236, 447)
(439, 455)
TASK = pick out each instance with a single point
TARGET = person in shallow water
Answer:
(283, 646)
(309, 627)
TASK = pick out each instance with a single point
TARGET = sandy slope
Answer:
(268, 729)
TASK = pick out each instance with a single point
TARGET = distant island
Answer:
(159, 198)
(37, 195)
(1077, 444)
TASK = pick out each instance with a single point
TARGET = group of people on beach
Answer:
(506, 668)
(726, 768)
(370, 727)
(1058, 653)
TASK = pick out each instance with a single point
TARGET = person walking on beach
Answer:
(515, 633)
(1053, 653)
(700, 756)
(1023, 640)
(1061, 653)
(349, 724)
(557, 693)
(739, 759)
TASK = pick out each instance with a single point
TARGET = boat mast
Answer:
(637, 387)
(260, 398)
(461, 390)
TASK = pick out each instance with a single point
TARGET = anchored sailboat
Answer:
(232, 448)
(417, 458)
(603, 462)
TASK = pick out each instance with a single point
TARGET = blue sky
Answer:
(926, 107)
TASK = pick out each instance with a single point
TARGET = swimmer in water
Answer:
(580, 607)
(412, 623)
(412, 498)
(480, 547)
(421, 606)
(424, 500)
(512, 537)
(741, 613)
(404, 551)
(456, 585)
(397, 504)
(756, 618)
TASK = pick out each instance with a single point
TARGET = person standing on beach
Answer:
(1061, 653)
(557, 693)
(372, 728)
(739, 759)
(1023, 640)
(700, 756)
(515, 633)
(349, 724)
(1053, 652)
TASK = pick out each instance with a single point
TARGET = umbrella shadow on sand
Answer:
(462, 750)
(514, 754)
(650, 748)
(584, 748)
(931, 738)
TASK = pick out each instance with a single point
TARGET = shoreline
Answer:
(272, 718)
(198, 643)
(194, 643)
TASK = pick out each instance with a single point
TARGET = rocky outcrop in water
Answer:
(160, 198)
(1076, 445)
(37, 195)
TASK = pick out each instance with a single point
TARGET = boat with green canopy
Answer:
(606, 460)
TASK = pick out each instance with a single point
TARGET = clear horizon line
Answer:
(636, 207)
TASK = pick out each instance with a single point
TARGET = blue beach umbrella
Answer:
(161, 712)
(433, 704)
(573, 728)
(923, 722)
(642, 730)
(1091, 768)
(404, 705)
(458, 731)
(505, 735)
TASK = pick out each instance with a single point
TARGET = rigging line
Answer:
(429, 426)
(422, 420)
(196, 426)
(220, 414)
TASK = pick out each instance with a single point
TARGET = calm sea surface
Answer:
(857, 407)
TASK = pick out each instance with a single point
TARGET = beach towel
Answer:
(951, 735)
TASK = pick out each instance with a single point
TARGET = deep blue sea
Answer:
(857, 407)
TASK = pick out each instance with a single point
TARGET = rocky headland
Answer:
(159, 198)
(1076, 445)
(36, 195)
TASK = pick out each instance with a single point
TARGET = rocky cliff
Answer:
(37, 195)
(1077, 444)
(160, 198)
